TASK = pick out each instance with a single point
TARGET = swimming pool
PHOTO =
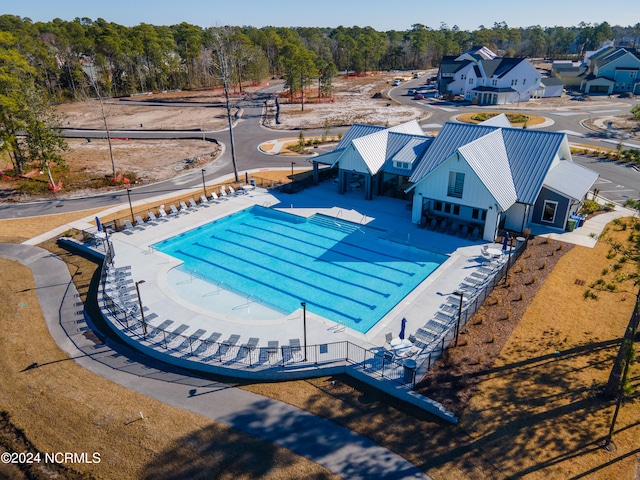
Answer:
(343, 271)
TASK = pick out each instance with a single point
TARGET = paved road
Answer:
(248, 134)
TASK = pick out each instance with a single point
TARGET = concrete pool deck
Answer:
(389, 215)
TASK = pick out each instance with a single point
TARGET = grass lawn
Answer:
(533, 413)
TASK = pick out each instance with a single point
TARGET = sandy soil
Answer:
(354, 102)
(151, 160)
(123, 115)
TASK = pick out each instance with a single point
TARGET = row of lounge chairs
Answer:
(164, 215)
(446, 318)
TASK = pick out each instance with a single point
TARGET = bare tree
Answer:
(96, 88)
(224, 56)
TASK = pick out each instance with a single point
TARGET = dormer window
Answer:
(402, 165)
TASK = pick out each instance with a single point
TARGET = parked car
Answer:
(396, 83)
(411, 91)
(418, 96)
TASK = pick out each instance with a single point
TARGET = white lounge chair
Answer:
(183, 207)
(232, 191)
(139, 222)
(214, 197)
(174, 210)
(127, 225)
(192, 203)
(223, 191)
(203, 200)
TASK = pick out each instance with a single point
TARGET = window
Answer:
(484, 215)
(549, 211)
(456, 184)
(471, 81)
(475, 214)
(463, 77)
(437, 206)
(524, 81)
(456, 209)
(402, 165)
(447, 208)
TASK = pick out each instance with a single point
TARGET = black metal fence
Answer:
(119, 295)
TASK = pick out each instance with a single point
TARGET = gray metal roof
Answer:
(498, 121)
(356, 131)
(451, 137)
(570, 179)
(411, 150)
(487, 156)
(530, 153)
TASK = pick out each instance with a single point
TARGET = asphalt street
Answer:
(617, 182)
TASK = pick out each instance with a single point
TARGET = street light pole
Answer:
(130, 206)
(144, 323)
(460, 294)
(292, 164)
(204, 188)
(304, 326)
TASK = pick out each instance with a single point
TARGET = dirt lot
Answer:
(354, 102)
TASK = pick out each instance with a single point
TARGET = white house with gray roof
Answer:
(493, 177)
(481, 77)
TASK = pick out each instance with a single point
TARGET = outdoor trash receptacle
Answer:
(409, 371)
(571, 224)
(253, 182)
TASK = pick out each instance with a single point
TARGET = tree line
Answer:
(60, 60)
(67, 56)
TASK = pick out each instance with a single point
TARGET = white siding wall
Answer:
(514, 217)
(474, 194)
(521, 71)
(352, 161)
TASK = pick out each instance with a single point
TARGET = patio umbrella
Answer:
(505, 244)
(403, 324)
(98, 224)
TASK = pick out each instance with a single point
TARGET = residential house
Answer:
(483, 78)
(495, 177)
(612, 70)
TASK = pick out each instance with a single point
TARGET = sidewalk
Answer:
(336, 448)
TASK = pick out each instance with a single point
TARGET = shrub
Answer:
(589, 206)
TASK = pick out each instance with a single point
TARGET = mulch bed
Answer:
(453, 379)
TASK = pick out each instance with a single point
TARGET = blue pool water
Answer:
(343, 271)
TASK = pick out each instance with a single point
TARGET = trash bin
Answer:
(571, 224)
(577, 218)
(253, 182)
(409, 372)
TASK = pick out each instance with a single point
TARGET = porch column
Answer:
(316, 175)
(368, 187)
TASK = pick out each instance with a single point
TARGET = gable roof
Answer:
(487, 156)
(451, 137)
(530, 153)
(374, 144)
(498, 121)
(570, 179)
(499, 67)
(356, 131)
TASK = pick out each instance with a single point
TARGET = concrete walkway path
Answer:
(336, 448)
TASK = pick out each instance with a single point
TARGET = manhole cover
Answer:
(579, 282)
